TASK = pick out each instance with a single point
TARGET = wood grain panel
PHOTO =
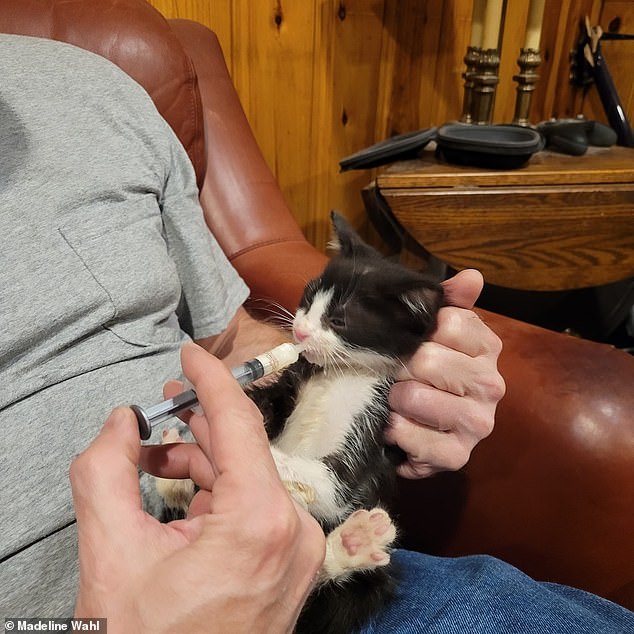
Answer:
(320, 79)
(345, 94)
(216, 15)
(422, 63)
(618, 17)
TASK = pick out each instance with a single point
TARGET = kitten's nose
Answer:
(300, 334)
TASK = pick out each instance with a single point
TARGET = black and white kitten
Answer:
(358, 324)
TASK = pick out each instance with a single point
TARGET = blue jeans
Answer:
(482, 595)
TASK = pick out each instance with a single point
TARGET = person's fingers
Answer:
(462, 329)
(200, 504)
(464, 288)
(438, 428)
(460, 339)
(429, 449)
(453, 371)
(172, 389)
(231, 434)
(104, 478)
(440, 410)
(230, 439)
(177, 461)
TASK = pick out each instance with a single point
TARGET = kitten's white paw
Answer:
(302, 493)
(177, 493)
(360, 543)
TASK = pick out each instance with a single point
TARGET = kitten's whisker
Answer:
(383, 364)
(343, 359)
(289, 314)
(335, 361)
(276, 310)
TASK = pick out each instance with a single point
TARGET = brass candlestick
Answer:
(528, 61)
(485, 84)
(471, 60)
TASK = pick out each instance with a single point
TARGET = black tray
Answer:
(396, 148)
(491, 146)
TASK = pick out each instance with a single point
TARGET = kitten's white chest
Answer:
(326, 407)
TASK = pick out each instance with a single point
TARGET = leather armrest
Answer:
(551, 490)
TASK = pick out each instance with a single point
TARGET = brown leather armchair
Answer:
(552, 490)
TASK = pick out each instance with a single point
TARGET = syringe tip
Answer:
(280, 357)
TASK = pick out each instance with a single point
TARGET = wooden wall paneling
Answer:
(346, 91)
(427, 73)
(275, 62)
(559, 34)
(618, 17)
(554, 95)
(216, 15)
(319, 173)
(511, 40)
(558, 96)
(422, 62)
(455, 30)
(383, 126)
(408, 93)
(558, 37)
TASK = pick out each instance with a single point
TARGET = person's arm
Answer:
(446, 399)
(245, 558)
(244, 338)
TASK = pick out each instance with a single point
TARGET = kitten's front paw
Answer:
(361, 543)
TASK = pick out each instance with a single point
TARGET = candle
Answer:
(534, 24)
(477, 23)
(492, 19)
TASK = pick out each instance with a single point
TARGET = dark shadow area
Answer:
(14, 144)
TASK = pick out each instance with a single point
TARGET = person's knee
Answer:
(488, 570)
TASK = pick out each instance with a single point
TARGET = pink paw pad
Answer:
(366, 534)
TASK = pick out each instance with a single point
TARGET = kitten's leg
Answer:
(177, 494)
(360, 543)
(312, 485)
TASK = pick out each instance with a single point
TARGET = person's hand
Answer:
(245, 558)
(444, 402)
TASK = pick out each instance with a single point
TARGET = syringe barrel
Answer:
(245, 373)
(248, 372)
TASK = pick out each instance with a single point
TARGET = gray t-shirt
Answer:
(104, 260)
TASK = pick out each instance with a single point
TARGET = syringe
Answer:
(262, 365)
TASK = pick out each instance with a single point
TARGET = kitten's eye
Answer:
(337, 322)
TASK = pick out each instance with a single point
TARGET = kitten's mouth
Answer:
(312, 356)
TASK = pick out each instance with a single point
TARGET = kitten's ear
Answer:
(423, 300)
(347, 241)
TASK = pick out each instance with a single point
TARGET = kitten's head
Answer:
(365, 310)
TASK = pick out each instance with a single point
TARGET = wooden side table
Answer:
(560, 222)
